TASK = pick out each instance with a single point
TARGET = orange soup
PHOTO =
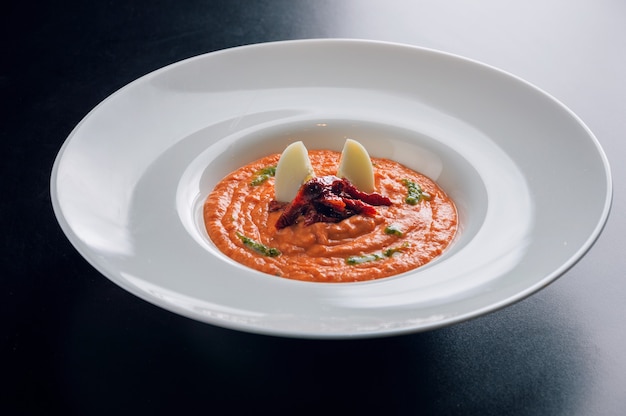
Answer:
(417, 225)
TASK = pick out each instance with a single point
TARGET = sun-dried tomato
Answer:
(328, 199)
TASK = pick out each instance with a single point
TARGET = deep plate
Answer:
(531, 182)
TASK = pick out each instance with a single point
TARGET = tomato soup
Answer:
(419, 223)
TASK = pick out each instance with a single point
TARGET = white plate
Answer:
(531, 182)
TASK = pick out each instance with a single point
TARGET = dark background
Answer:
(72, 342)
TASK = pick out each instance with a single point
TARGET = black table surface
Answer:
(72, 342)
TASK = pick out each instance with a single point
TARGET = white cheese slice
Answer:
(356, 166)
(293, 169)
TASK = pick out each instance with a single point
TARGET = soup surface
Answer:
(241, 219)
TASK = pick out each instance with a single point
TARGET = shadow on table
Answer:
(526, 359)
